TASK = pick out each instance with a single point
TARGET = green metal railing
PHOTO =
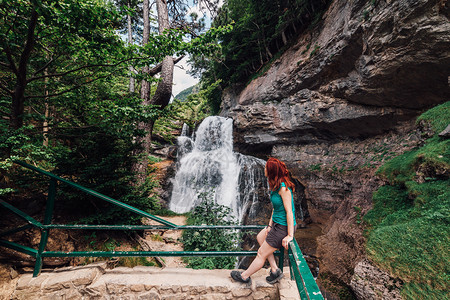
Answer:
(299, 270)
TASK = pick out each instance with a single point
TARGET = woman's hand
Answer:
(286, 241)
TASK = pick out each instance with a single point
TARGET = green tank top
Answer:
(279, 213)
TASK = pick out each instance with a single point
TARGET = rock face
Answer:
(369, 283)
(340, 102)
(369, 65)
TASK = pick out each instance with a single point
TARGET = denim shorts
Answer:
(276, 235)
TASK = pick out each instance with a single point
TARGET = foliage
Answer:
(208, 212)
(192, 111)
(98, 243)
(71, 67)
(408, 225)
(91, 145)
(260, 32)
(182, 96)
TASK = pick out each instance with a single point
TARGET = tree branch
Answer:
(68, 90)
(29, 43)
(46, 65)
(155, 70)
(12, 65)
(81, 68)
(6, 89)
(5, 65)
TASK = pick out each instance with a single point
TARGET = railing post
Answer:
(281, 259)
(291, 273)
(47, 220)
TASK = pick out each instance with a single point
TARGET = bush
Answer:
(208, 212)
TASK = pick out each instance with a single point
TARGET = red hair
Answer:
(278, 173)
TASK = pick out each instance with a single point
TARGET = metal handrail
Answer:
(97, 194)
(299, 270)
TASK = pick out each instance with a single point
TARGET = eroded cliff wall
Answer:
(341, 101)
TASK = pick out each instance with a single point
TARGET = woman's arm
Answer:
(287, 202)
(270, 223)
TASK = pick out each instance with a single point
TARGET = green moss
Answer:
(432, 159)
(408, 230)
(438, 117)
(314, 51)
(388, 201)
(315, 167)
(416, 250)
(399, 169)
(411, 290)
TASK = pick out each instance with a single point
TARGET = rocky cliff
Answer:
(342, 100)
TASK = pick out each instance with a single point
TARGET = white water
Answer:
(208, 164)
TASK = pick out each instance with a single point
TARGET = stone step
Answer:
(95, 281)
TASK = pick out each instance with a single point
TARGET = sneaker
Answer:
(236, 275)
(274, 277)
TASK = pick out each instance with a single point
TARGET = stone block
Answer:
(221, 289)
(149, 296)
(165, 290)
(259, 295)
(67, 279)
(92, 293)
(213, 297)
(200, 289)
(123, 297)
(185, 288)
(176, 289)
(149, 287)
(241, 292)
(29, 282)
(117, 289)
(174, 297)
(137, 288)
(24, 295)
(67, 294)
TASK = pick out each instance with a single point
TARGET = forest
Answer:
(82, 85)
(86, 85)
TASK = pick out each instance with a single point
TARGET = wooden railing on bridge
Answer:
(306, 284)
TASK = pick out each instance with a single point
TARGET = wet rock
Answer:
(446, 132)
(369, 282)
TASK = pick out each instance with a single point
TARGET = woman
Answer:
(280, 230)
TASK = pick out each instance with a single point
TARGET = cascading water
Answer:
(207, 164)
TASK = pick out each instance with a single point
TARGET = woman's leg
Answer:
(261, 237)
(263, 253)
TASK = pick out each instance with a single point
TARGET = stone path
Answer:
(96, 282)
(166, 240)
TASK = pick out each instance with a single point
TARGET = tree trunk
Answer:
(164, 88)
(130, 41)
(140, 167)
(46, 113)
(18, 98)
(17, 107)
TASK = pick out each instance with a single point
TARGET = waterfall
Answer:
(208, 164)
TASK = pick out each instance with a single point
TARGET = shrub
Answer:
(208, 212)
